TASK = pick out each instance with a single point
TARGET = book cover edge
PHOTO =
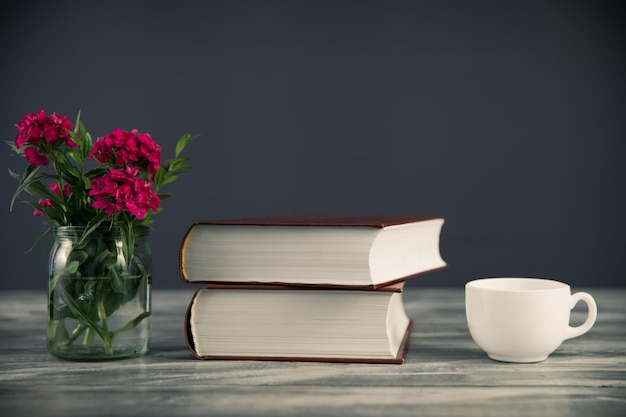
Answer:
(323, 220)
(292, 285)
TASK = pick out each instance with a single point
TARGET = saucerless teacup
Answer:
(523, 319)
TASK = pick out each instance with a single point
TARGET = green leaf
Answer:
(175, 164)
(40, 238)
(82, 316)
(170, 179)
(117, 283)
(56, 329)
(132, 324)
(90, 290)
(96, 172)
(15, 175)
(159, 176)
(102, 262)
(37, 189)
(27, 177)
(76, 155)
(78, 255)
(128, 242)
(87, 142)
(102, 315)
(182, 143)
(56, 215)
(93, 224)
(77, 124)
(184, 167)
(11, 144)
(72, 267)
(71, 174)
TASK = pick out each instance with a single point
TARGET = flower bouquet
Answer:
(99, 198)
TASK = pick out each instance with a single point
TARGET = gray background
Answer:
(505, 117)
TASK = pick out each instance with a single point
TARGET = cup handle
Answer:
(591, 315)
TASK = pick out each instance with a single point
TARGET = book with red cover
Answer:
(312, 250)
(282, 323)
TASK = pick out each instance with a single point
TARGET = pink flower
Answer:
(57, 128)
(123, 148)
(145, 146)
(34, 157)
(120, 190)
(57, 189)
(38, 131)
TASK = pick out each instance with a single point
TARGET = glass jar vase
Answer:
(99, 293)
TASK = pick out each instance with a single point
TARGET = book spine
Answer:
(181, 254)
(189, 338)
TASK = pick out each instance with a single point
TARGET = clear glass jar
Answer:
(99, 294)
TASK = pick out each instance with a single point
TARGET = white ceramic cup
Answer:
(523, 319)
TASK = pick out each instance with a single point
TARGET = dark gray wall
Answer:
(505, 117)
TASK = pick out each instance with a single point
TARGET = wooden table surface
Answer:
(445, 373)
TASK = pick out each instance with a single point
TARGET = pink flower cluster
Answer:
(122, 148)
(121, 190)
(48, 202)
(38, 130)
(132, 157)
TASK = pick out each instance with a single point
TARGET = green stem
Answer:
(108, 337)
(80, 329)
(81, 316)
(108, 345)
(59, 179)
(88, 340)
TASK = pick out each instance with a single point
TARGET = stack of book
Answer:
(305, 288)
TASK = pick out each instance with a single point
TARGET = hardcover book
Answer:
(329, 250)
(268, 322)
